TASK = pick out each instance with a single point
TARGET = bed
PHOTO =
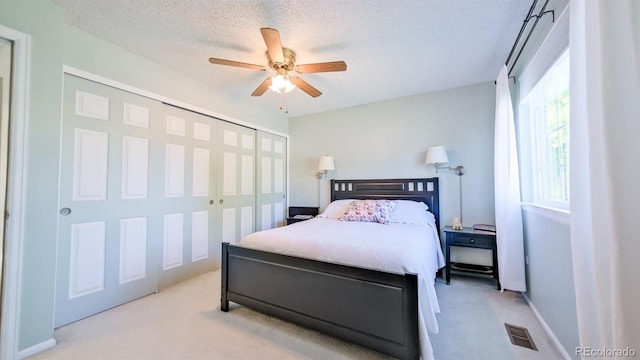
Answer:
(368, 301)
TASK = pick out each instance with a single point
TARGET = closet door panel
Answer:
(149, 191)
(133, 249)
(135, 167)
(188, 141)
(236, 200)
(105, 248)
(200, 235)
(272, 175)
(136, 181)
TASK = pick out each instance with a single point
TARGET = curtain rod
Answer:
(530, 15)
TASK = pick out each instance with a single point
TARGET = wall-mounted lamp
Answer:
(437, 156)
(325, 164)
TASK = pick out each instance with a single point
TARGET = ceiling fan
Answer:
(282, 61)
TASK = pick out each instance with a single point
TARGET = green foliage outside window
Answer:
(547, 108)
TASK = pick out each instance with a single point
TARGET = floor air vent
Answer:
(520, 336)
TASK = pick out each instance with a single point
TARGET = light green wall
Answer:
(43, 21)
(549, 275)
(389, 139)
(53, 44)
(547, 241)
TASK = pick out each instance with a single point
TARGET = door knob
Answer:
(65, 211)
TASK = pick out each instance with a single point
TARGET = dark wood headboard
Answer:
(425, 190)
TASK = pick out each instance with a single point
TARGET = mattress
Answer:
(394, 247)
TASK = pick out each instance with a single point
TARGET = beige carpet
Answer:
(185, 322)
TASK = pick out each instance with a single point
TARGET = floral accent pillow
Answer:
(369, 211)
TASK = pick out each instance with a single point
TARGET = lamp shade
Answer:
(437, 155)
(326, 163)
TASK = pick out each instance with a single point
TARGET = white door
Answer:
(236, 193)
(188, 194)
(147, 194)
(109, 204)
(5, 91)
(3, 177)
(137, 198)
(272, 180)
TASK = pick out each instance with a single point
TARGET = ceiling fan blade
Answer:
(321, 67)
(262, 88)
(274, 46)
(304, 86)
(237, 64)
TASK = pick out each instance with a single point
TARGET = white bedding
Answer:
(399, 248)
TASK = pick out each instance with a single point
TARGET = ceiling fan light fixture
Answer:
(281, 83)
(283, 60)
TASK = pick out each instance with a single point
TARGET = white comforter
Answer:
(399, 248)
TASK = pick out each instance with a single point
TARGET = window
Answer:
(546, 111)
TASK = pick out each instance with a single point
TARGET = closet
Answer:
(148, 191)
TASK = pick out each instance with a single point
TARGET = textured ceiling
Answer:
(392, 48)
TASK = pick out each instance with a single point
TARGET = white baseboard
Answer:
(547, 329)
(37, 348)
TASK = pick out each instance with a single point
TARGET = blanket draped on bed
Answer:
(398, 248)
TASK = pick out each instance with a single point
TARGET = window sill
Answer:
(559, 215)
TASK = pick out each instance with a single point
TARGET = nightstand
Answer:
(468, 237)
(301, 213)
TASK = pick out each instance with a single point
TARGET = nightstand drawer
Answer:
(472, 241)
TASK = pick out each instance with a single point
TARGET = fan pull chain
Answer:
(282, 103)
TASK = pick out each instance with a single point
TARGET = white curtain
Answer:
(604, 190)
(507, 191)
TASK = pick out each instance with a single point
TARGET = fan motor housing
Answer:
(289, 60)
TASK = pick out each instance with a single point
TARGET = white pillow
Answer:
(336, 209)
(411, 212)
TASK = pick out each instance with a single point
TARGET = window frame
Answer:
(551, 49)
(539, 150)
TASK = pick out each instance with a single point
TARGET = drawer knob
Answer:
(473, 241)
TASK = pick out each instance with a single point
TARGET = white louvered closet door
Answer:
(236, 191)
(272, 180)
(106, 242)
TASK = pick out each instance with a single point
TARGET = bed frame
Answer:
(372, 308)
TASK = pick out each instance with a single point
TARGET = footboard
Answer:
(372, 308)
